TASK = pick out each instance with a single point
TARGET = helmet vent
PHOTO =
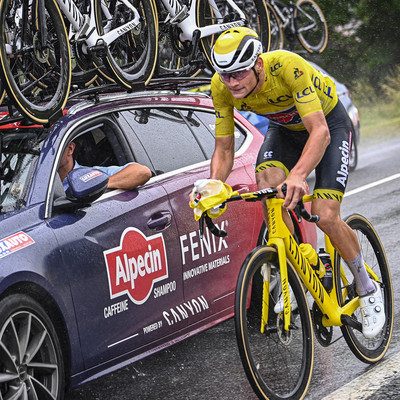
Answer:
(248, 53)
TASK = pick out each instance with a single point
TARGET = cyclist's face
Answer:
(240, 85)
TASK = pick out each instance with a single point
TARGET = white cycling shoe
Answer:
(279, 304)
(373, 312)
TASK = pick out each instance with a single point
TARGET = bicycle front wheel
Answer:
(256, 15)
(37, 78)
(278, 363)
(132, 56)
(311, 26)
(366, 350)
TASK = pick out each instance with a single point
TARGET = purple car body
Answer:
(128, 274)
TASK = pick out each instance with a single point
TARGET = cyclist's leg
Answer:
(331, 180)
(277, 156)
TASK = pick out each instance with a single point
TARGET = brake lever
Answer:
(300, 209)
(211, 226)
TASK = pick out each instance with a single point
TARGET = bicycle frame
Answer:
(285, 21)
(84, 25)
(289, 20)
(189, 24)
(281, 239)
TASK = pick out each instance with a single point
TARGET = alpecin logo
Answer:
(135, 265)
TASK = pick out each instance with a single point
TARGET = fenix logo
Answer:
(135, 265)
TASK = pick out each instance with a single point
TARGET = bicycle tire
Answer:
(132, 57)
(366, 350)
(257, 19)
(277, 41)
(37, 81)
(278, 365)
(314, 39)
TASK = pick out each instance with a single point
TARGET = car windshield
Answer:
(19, 153)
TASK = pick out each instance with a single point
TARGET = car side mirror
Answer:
(85, 186)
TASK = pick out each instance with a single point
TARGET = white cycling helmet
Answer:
(236, 49)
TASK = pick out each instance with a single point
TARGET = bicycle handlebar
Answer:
(300, 210)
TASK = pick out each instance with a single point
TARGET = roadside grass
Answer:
(379, 114)
(380, 121)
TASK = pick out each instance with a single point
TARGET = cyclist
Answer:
(308, 129)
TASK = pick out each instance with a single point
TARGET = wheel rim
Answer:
(277, 363)
(28, 359)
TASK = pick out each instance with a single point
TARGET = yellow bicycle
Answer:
(274, 323)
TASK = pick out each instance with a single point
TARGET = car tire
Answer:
(31, 360)
(353, 155)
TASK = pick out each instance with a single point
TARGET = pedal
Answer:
(99, 49)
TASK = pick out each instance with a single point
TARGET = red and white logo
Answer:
(13, 243)
(135, 265)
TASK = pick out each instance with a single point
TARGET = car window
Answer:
(166, 138)
(19, 154)
(100, 143)
(207, 120)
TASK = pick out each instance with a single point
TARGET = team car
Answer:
(92, 279)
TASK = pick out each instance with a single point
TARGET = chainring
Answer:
(182, 49)
(323, 334)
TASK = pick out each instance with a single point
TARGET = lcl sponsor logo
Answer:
(135, 265)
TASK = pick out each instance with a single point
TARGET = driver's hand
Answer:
(296, 189)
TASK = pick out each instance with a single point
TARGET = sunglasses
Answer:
(238, 75)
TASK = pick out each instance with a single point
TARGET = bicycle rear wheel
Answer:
(37, 79)
(132, 57)
(256, 14)
(311, 27)
(366, 350)
(278, 363)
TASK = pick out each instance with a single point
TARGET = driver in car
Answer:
(127, 177)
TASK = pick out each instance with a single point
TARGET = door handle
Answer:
(241, 188)
(160, 220)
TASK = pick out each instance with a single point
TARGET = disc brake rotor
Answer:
(284, 336)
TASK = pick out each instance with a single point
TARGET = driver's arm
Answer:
(132, 176)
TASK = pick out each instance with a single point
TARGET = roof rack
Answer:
(175, 84)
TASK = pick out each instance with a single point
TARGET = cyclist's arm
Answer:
(223, 158)
(313, 152)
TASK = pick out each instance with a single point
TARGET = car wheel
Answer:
(353, 156)
(31, 362)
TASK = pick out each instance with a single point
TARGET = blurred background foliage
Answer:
(364, 39)
(363, 52)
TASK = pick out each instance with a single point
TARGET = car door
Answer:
(211, 264)
(122, 259)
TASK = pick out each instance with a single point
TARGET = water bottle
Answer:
(312, 257)
(327, 279)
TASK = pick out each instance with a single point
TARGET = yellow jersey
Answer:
(292, 89)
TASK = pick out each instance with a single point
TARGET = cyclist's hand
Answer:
(296, 189)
